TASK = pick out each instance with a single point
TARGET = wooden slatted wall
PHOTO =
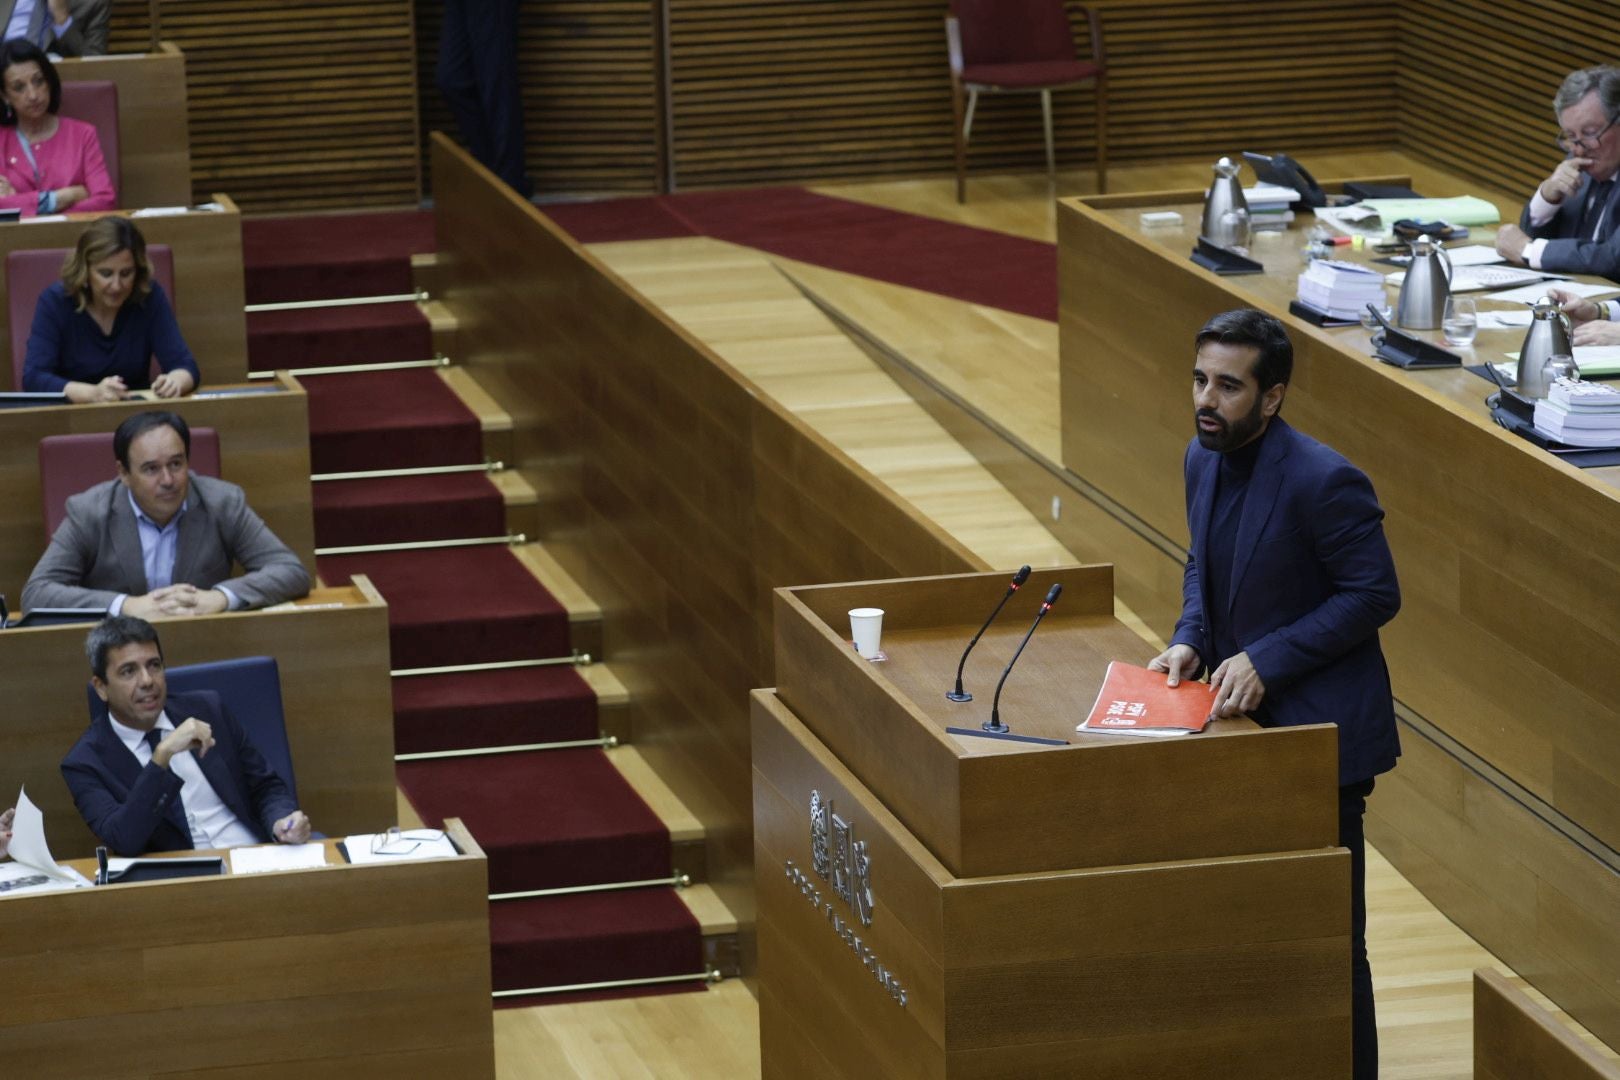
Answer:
(590, 93)
(780, 90)
(294, 104)
(1475, 81)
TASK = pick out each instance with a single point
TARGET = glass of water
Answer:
(1460, 322)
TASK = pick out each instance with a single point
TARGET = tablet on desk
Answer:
(47, 616)
(23, 399)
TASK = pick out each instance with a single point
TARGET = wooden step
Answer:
(612, 700)
(584, 615)
(522, 501)
(442, 321)
(722, 948)
(494, 421)
(687, 836)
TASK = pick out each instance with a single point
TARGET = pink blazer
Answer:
(71, 156)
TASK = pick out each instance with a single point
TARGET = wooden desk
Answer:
(208, 284)
(1509, 563)
(336, 971)
(333, 654)
(264, 448)
(154, 134)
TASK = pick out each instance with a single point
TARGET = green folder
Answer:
(1461, 210)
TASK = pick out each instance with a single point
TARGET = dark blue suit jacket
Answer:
(125, 803)
(1312, 581)
(1567, 253)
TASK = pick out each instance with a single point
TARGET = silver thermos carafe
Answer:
(1226, 211)
(1547, 337)
(1426, 287)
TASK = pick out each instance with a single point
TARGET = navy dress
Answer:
(67, 346)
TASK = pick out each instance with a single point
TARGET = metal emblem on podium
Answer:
(819, 861)
(837, 857)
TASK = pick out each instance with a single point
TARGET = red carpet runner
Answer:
(980, 266)
(547, 818)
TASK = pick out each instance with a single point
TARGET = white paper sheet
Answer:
(411, 845)
(1505, 320)
(28, 846)
(16, 878)
(1529, 294)
(1474, 255)
(264, 858)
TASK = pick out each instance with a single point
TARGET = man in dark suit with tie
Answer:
(156, 773)
(159, 540)
(1569, 224)
(1287, 583)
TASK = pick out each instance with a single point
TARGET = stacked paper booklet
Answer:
(1580, 413)
(1268, 205)
(1340, 290)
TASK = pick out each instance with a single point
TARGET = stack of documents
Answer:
(1268, 205)
(1580, 413)
(1340, 290)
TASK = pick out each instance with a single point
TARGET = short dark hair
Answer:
(114, 632)
(1246, 326)
(23, 51)
(142, 422)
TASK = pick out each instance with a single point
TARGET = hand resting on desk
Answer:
(5, 831)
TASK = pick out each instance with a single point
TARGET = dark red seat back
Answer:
(95, 101)
(68, 464)
(1013, 31)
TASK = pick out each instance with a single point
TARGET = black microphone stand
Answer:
(958, 694)
(994, 724)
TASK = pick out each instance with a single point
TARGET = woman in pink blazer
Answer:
(49, 164)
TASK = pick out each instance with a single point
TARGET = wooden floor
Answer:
(749, 307)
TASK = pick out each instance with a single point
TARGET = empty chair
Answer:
(1021, 46)
(69, 464)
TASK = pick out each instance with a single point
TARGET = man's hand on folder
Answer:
(1178, 661)
(1237, 687)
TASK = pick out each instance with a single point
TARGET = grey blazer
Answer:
(96, 552)
(87, 36)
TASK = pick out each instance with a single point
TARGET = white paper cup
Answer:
(866, 627)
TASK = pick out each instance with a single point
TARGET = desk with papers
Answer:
(264, 448)
(1509, 563)
(332, 650)
(209, 289)
(336, 969)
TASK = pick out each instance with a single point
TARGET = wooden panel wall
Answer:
(1475, 81)
(682, 495)
(294, 105)
(590, 93)
(777, 90)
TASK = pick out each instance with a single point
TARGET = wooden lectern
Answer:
(933, 905)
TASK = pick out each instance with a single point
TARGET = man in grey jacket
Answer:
(159, 541)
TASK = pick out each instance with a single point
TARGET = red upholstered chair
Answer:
(30, 272)
(1012, 46)
(68, 464)
(95, 101)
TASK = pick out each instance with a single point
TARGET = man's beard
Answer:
(1230, 436)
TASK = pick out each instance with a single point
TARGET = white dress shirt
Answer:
(211, 822)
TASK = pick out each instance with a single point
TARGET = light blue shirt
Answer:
(160, 546)
(23, 13)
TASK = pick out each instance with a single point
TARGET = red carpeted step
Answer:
(511, 707)
(333, 256)
(396, 509)
(332, 337)
(546, 819)
(470, 605)
(592, 937)
(388, 420)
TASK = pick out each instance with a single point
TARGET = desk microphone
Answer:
(1018, 579)
(994, 724)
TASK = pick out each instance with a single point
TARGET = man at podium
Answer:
(1287, 583)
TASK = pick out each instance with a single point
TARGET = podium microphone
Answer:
(958, 694)
(994, 724)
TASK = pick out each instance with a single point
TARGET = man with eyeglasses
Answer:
(1569, 225)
